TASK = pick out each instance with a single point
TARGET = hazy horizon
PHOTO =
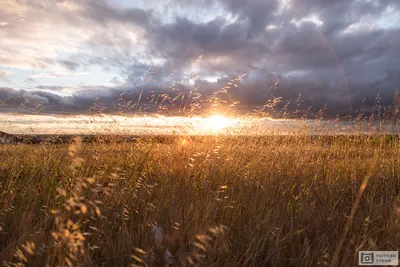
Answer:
(194, 125)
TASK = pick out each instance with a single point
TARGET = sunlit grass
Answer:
(207, 201)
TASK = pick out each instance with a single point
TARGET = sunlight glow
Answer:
(218, 122)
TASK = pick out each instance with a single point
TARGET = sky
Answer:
(65, 55)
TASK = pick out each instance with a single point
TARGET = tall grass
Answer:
(294, 200)
(214, 201)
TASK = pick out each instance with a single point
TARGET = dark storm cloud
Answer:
(299, 56)
(103, 11)
(34, 99)
(183, 41)
(257, 13)
(288, 48)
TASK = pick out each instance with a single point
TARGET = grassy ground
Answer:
(211, 201)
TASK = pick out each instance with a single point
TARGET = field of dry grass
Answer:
(210, 201)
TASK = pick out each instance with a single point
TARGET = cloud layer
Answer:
(334, 52)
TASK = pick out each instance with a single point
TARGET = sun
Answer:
(218, 122)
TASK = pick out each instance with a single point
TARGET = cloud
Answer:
(5, 75)
(70, 65)
(304, 44)
(178, 98)
(30, 80)
(34, 99)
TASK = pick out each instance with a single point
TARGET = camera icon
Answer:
(367, 258)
